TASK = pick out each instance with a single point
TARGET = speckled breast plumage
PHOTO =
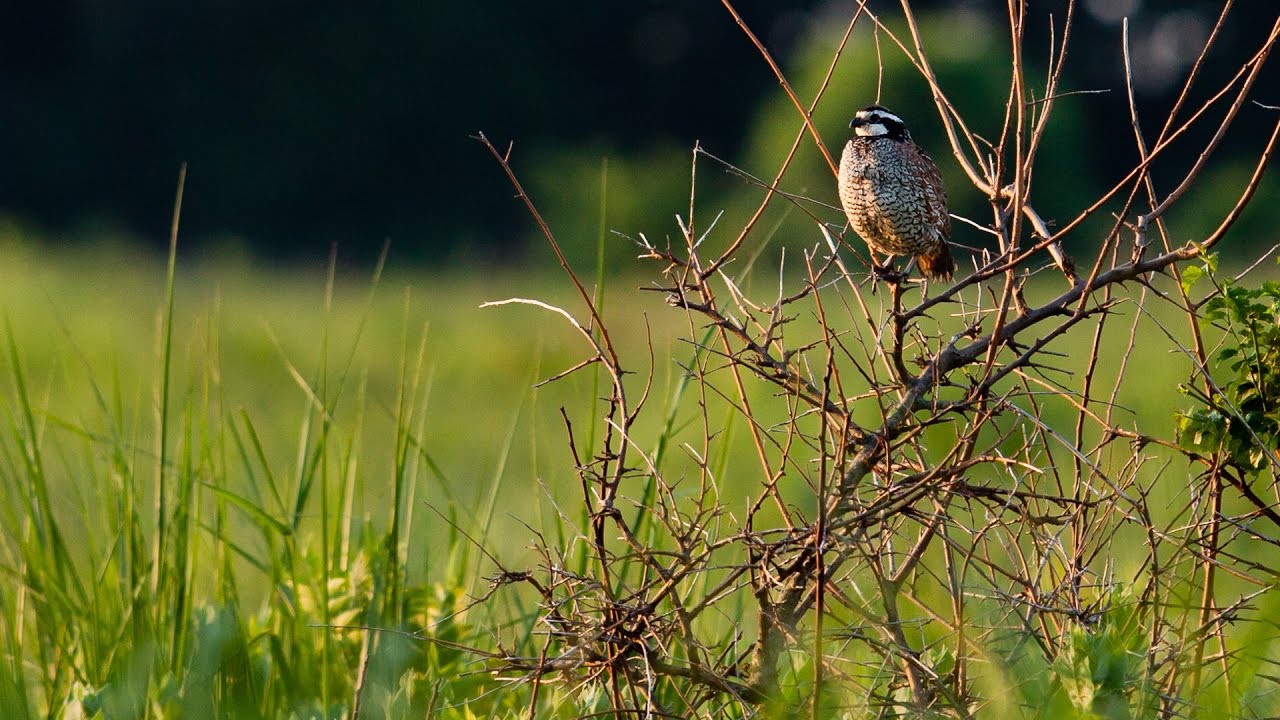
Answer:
(892, 193)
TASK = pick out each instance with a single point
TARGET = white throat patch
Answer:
(871, 130)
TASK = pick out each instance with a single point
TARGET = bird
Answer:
(892, 193)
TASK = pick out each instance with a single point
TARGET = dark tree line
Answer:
(306, 124)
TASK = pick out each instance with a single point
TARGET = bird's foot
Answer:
(888, 275)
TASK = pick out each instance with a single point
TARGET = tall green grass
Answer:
(230, 491)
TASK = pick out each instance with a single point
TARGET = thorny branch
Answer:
(954, 507)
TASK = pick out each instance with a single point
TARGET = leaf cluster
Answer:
(1239, 413)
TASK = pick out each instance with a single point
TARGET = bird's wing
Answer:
(935, 194)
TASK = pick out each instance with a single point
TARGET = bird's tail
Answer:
(936, 264)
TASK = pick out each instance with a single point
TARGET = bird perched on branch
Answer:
(893, 195)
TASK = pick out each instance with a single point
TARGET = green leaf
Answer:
(1190, 276)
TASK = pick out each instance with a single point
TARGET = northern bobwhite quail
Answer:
(892, 193)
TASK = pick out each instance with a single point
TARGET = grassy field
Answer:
(287, 443)
(309, 423)
(207, 499)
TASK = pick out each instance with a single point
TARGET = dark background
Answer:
(307, 124)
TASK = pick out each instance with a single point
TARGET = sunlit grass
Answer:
(334, 458)
(301, 430)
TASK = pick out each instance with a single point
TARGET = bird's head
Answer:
(875, 121)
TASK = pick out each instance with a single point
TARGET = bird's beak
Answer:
(855, 122)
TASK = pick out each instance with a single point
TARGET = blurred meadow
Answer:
(261, 346)
(317, 416)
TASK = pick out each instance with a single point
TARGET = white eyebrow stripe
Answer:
(879, 116)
